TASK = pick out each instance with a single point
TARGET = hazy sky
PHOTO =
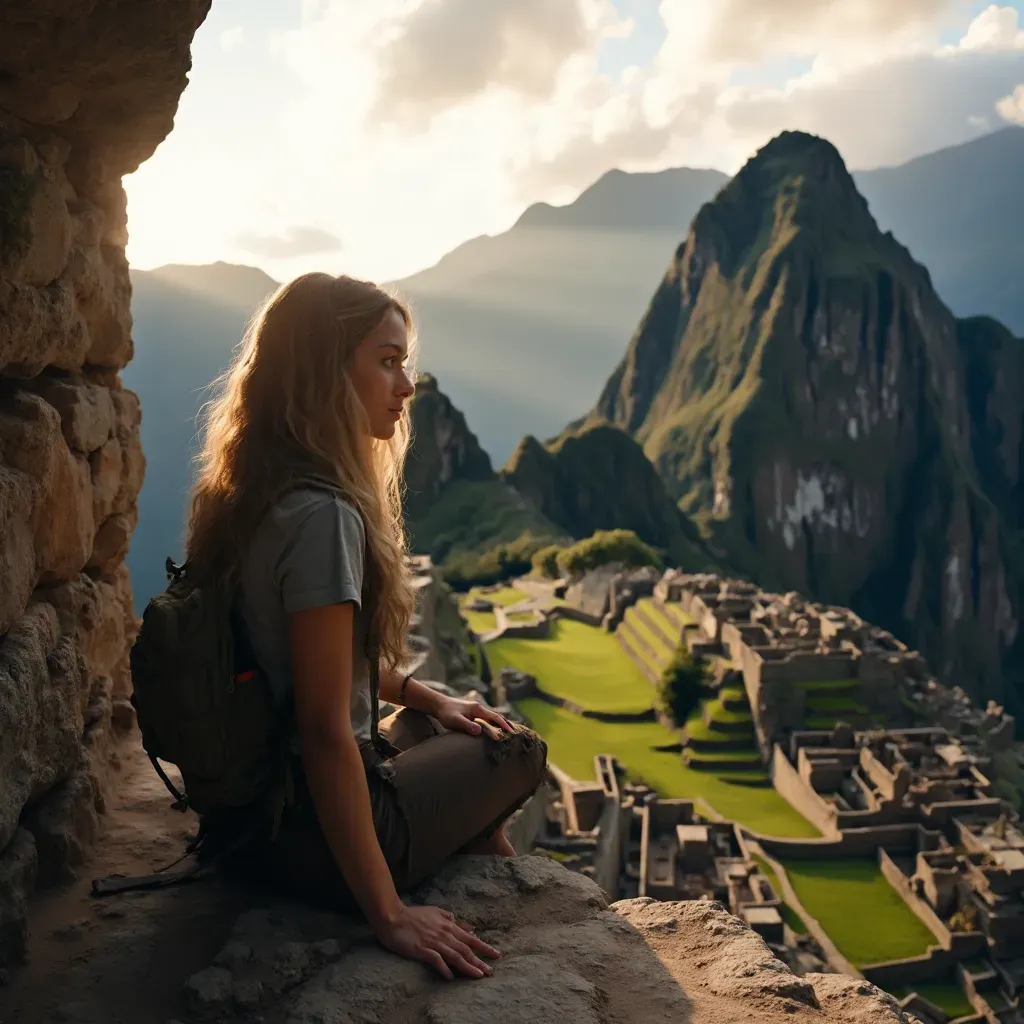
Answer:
(372, 136)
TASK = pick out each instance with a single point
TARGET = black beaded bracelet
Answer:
(401, 692)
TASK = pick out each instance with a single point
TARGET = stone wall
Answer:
(576, 614)
(966, 943)
(853, 842)
(792, 788)
(87, 92)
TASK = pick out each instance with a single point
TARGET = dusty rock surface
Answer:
(567, 956)
(121, 959)
(213, 951)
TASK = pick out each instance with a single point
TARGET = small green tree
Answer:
(545, 561)
(495, 565)
(604, 547)
(684, 683)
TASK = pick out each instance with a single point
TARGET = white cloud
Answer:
(996, 28)
(1012, 107)
(467, 128)
(503, 103)
(746, 31)
(880, 85)
(293, 241)
(890, 112)
(408, 126)
(232, 39)
(447, 51)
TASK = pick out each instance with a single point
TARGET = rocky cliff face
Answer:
(87, 92)
(805, 392)
(598, 479)
(444, 449)
(456, 505)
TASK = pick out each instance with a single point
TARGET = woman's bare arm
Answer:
(417, 696)
(321, 655)
(321, 651)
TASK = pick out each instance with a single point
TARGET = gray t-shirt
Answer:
(308, 551)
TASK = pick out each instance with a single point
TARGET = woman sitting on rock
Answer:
(298, 501)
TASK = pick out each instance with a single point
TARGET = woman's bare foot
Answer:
(497, 843)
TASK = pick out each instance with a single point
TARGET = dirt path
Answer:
(122, 959)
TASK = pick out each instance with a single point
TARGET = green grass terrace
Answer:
(947, 994)
(580, 663)
(484, 622)
(862, 913)
(588, 667)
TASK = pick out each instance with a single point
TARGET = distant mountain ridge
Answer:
(525, 328)
(808, 397)
(630, 201)
(187, 322)
(960, 211)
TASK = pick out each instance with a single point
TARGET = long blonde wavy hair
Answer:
(286, 406)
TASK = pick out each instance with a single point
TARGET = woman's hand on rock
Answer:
(433, 936)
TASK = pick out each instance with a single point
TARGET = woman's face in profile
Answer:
(379, 377)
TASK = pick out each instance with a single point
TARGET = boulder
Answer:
(17, 880)
(41, 712)
(567, 956)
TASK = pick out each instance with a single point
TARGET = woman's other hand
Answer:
(433, 936)
(459, 715)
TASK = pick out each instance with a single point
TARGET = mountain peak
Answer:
(795, 186)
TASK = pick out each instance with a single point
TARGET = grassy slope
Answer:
(573, 741)
(484, 622)
(862, 913)
(582, 664)
(505, 596)
(662, 651)
(587, 666)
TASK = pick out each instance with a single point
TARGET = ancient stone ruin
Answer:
(917, 797)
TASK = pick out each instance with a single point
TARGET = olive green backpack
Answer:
(203, 704)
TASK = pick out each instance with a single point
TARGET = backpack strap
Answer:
(375, 738)
(199, 867)
(180, 799)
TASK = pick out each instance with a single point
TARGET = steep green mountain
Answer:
(599, 479)
(808, 397)
(455, 503)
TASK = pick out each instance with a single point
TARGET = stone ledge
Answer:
(568, 958)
